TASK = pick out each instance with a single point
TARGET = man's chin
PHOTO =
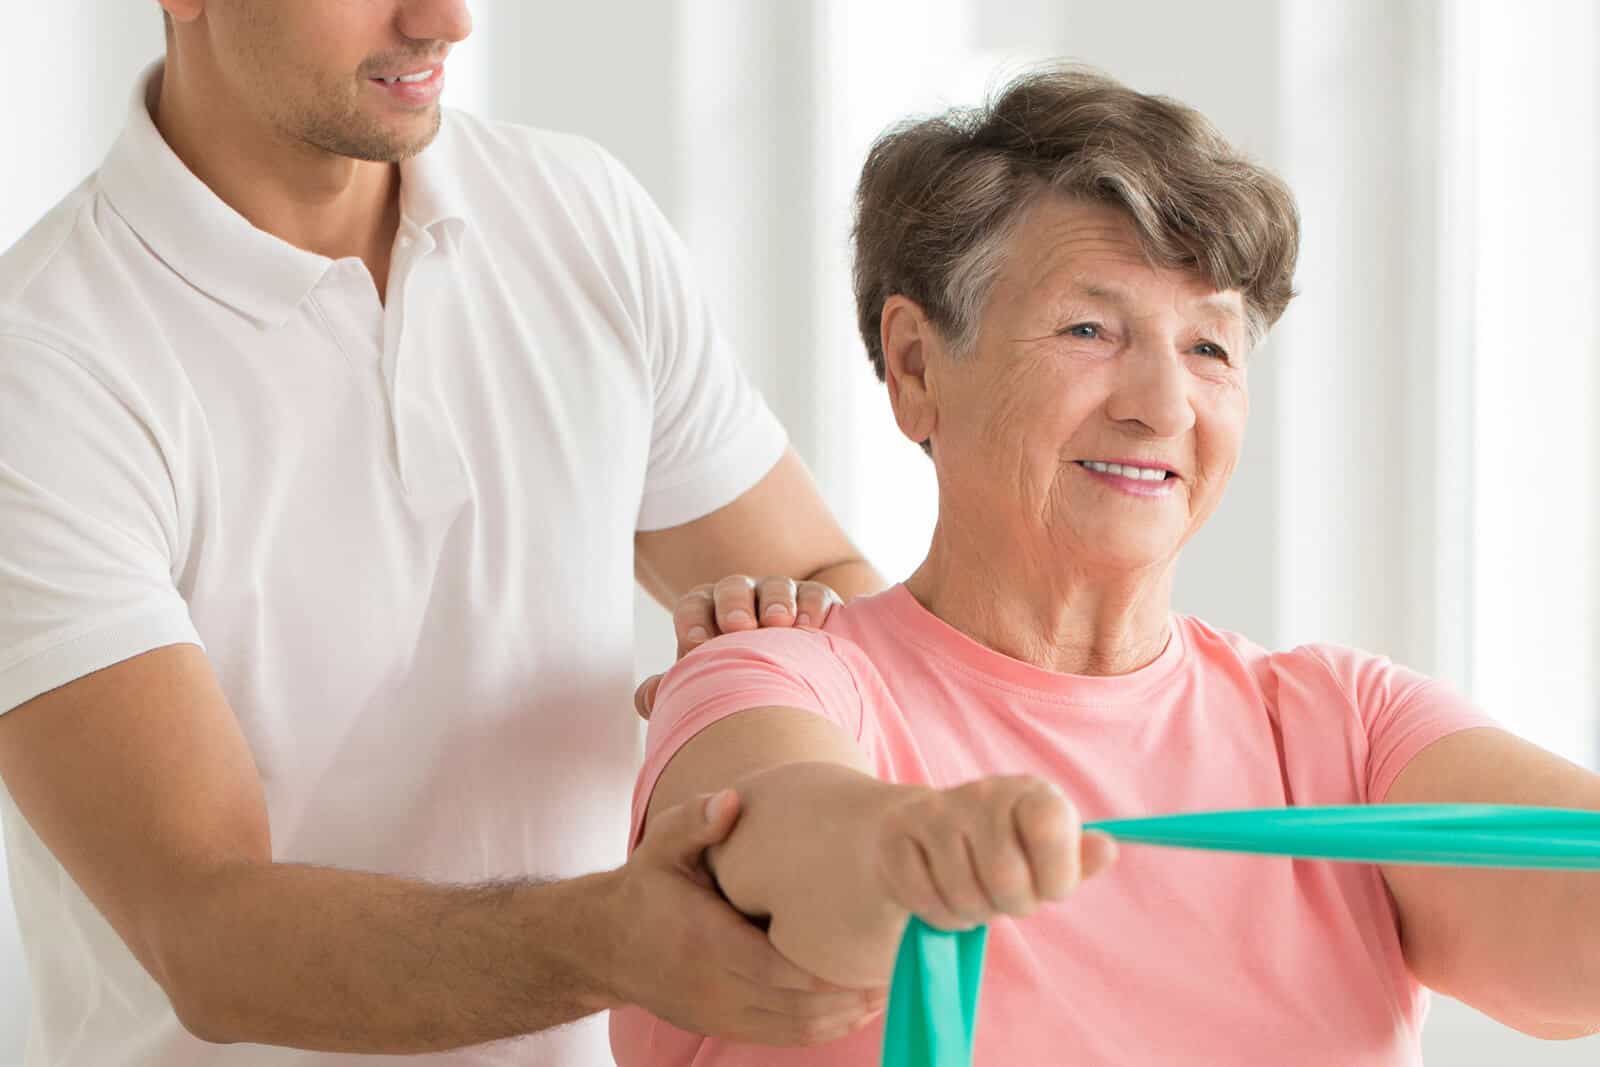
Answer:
(391, 141)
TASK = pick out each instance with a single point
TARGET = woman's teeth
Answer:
(1143, 474)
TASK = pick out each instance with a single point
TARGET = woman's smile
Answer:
(1132, 478)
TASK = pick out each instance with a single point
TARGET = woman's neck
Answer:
(1049, 613)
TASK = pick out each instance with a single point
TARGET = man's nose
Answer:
(436, 20)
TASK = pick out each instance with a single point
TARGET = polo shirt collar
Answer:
(218, 250)
(431, 193)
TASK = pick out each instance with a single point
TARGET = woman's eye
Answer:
(1206, 348)
(1083, 329)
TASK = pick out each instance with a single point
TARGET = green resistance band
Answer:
(933, 996)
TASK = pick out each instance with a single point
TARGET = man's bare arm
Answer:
(139, 781)
(780, 529)
(780, 526)
(837, 859)
(1522, 946)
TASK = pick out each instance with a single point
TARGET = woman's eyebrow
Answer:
(1100, 291)
(1219, 303)
(1216, 303)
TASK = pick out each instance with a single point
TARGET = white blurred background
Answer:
(1421, 473)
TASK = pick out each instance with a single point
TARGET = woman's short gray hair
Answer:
(940, 197)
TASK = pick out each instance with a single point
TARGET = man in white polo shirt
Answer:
(331, 441)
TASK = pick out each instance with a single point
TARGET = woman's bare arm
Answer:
(837, 859)
(1522, 946)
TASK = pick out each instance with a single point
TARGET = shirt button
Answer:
(405, 242)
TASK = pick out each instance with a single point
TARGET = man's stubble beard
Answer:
(357, 136)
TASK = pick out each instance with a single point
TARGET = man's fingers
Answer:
(780, 1028)
(694, 618)
(681, 834)
(813, 602)
(644, 697)
(739, 602)
(698, 963)
(822, 1015)
(798, 1004)
(735, 599)
(775, 601)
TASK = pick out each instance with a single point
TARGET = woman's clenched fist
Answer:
(997, 846)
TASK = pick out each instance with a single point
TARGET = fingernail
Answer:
(697, 634)
(777, 609)
(739, 615)
(802, 619)
(711, 805)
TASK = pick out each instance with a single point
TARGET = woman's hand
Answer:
(836, 859)
(955, 858)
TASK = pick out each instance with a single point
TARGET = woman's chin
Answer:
(1124, 561)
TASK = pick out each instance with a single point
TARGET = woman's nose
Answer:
(1152, 390)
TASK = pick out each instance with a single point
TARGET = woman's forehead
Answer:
(1093, 253)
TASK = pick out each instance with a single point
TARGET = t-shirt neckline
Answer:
(921, 626)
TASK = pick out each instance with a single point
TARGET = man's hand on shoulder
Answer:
(735, 604)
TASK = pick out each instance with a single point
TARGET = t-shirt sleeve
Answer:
(1402, 711)
(713, 436)
(739, 672)
(88, 521)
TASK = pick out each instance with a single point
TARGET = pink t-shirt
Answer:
(1172, 956)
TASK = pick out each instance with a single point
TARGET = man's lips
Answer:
(409, 75)
(408, 66)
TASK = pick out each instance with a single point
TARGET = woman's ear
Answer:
(908, 339)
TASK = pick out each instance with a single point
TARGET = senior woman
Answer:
(1061, 292)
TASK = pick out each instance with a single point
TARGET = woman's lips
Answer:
(1133, 486)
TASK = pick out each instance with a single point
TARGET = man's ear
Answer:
(908, 339)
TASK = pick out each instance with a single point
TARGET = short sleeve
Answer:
(713, 435)
(87, 525)
(739, 672)
(1402, 711)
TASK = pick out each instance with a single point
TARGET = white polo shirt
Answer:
(403, 533)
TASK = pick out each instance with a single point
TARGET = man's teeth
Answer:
(419, 76)
(1144, 474)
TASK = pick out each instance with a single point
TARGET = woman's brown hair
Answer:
(939, 198)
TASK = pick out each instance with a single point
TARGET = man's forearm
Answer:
(334, 960)
(850, 578)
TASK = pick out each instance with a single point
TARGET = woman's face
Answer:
(1101, 414)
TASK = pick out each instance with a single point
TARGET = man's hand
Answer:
(738, 603)
(684, 955)
(998, 846)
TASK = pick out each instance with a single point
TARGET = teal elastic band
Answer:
(933, 998)
(1455, 835)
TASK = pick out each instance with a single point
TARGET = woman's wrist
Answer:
(804, 855)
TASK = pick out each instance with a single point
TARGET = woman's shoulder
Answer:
(1316, 670)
